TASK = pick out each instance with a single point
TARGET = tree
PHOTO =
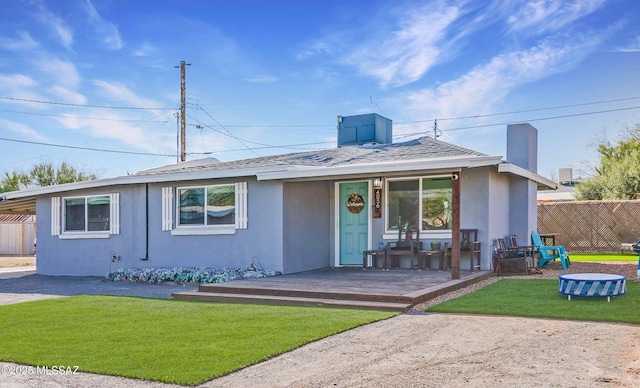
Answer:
(44, 174)
(618, 176)
(13, 182)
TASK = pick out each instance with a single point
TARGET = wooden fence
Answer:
(591, 226)
(17, 234)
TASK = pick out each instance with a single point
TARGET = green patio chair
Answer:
(550, 252)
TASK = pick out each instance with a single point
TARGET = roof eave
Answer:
(523, 172)
(134, 179)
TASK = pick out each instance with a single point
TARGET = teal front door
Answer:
(354, 221)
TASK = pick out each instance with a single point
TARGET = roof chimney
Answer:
(565, 175)
(522, 146)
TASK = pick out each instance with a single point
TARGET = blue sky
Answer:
(272, 76)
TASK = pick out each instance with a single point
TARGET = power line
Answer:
(262, 145)
(521, 111)
(83, 148)
(399, 123)
(84, 105)
(529, 120)
(229, 132)
(83, 118)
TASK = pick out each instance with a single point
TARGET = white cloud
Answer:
(22, 130)
(67, 95)
(110, 35)
(16, 81)
(60, 72)
(119, 92)
(411, 49)
(20, 86)
(482, 88)
(22, 43)
(633, 47)
(265, 79)
(551, 15)
(58, 26)
(109, 128)
(145, 50)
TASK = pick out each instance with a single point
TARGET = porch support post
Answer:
(455, 226)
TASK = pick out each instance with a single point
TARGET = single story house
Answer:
(293, 212)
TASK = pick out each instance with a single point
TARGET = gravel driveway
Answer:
(410, 350)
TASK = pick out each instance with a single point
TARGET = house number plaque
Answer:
(377, 203)
(355, 203)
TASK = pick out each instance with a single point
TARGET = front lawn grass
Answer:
(170, 341)
(540, 298)
(602, 257)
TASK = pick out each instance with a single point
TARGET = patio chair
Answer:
(506, 260)
(406, 245)
(550, 252)
(527, 251)
(468, 243)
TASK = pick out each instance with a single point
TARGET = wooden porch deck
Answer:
(396, 290)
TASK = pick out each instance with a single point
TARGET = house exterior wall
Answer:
(263, 239)
(475, 191)
(499, 210)
(307, 226)
(523, 209)
(291, 227)
(91, 257)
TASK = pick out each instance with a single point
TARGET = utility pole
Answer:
(183, 122)
(436, 131)
(177, 116)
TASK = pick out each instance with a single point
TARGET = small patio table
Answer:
(373, 254)
(549, 238)
(592, 285)
(427, 255)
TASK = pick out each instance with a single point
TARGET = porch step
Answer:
(227, 288)
(289, 300)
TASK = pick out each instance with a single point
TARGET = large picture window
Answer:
(205, 210)
(87, 214)
(423, 203)
(209, 205)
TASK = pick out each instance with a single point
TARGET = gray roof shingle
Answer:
(418, 149)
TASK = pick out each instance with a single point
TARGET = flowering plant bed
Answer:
(187, 274)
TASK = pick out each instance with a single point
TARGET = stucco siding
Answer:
(261, 240)
(307, 226)
(89, 257)
(474, 191)
(523, 209)
(499, 208)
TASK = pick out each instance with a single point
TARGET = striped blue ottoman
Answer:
(593, 284)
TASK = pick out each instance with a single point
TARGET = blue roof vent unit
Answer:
(364, 129)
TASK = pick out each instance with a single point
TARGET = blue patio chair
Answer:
(550, 252)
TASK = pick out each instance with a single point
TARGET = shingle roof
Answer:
(418, 149)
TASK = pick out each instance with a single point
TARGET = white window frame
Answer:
(171, 207)
(58, 218)
(424, 233)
